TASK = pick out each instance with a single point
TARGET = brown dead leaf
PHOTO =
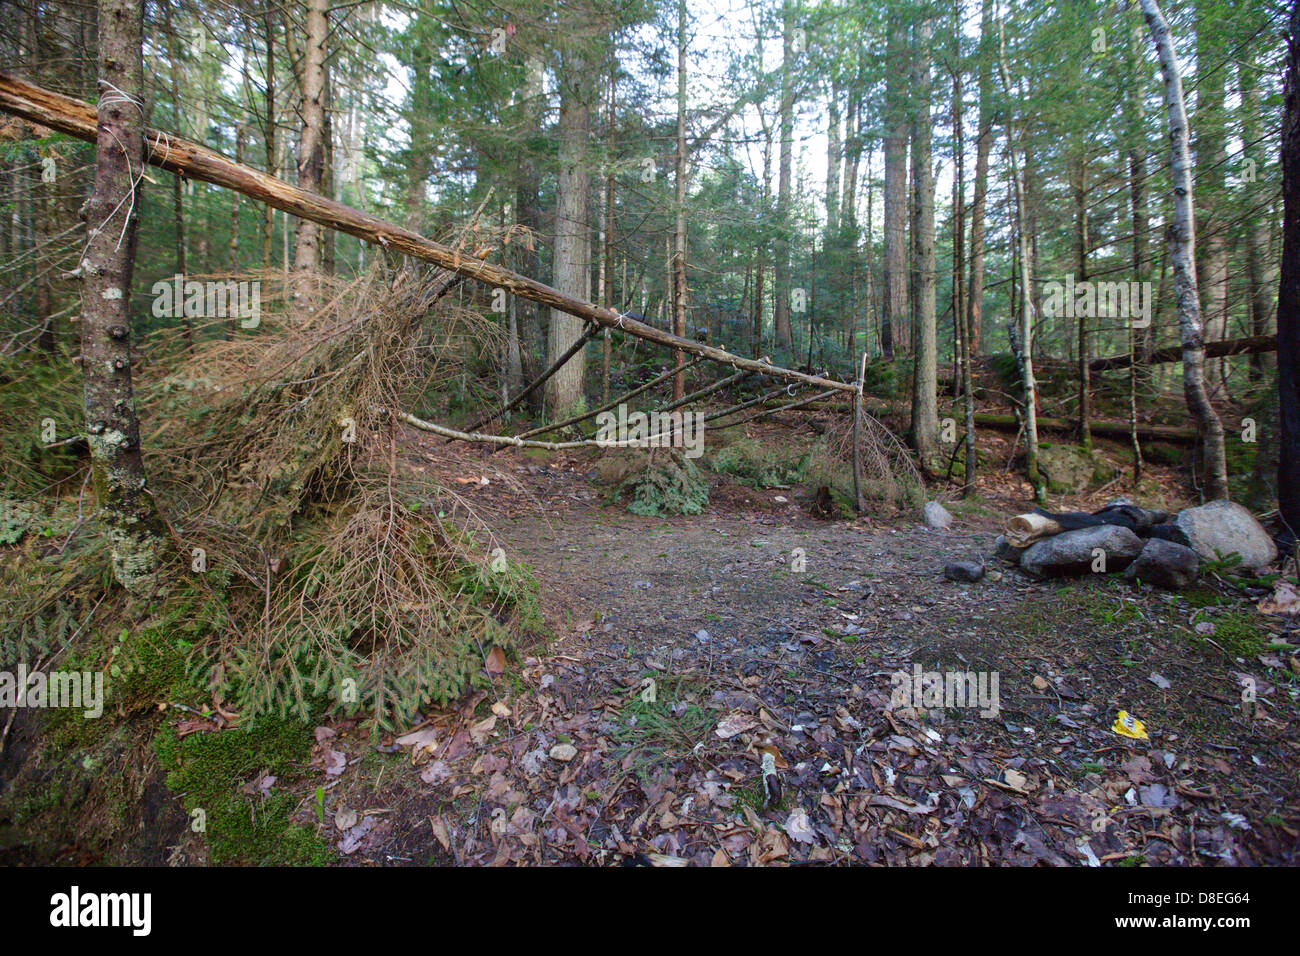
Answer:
(479, 732)
(733, 724)
(440, 833)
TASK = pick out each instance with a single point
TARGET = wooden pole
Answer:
(591, 332)
(858, 501)
(707, 390)
(611, 403)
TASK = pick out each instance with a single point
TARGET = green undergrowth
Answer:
(162, 664)
(382, 615)
(40, 407)
(884, 488)
(658, 482)
(106, 788)
(753, 464)
(664, 723)
(1236, 631)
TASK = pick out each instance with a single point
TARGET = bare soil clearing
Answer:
(685, 648)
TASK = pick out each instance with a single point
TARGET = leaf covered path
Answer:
(686, 648)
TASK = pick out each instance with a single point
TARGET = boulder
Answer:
(1073, 551)
(936, 516)
(967, 572)
(1221, 528)
(1165, 564)
(1067, 469)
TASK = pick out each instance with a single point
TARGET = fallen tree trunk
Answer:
(1120, 431)
(185, 158)
(1174, 353)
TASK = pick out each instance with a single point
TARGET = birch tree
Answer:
(1025, 346)
(983, 144)
(1182, 256)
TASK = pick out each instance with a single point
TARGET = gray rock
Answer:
(1072, 551)
(1165, 564)
(1221, 528)
(967, 572)
(936, 516)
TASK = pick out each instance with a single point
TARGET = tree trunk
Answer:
(564, 390)
(784, 332)
(1257, 227)
(233, 247)
(925, 411)
(849, 216)
(178, 203)
(311, 142)
(269, 138)
(419, 159)
(1182, 253)
(528, 213)
(1288, 300)
(896, 129)
(1135, 132)
(175, 154)
(327, 186)
(607, 227)
(1210, 181)
(961, 330)
(133, 524)
(1081, 254)
(1026, 339)
(760, 264)
(983, 144)
(834, 149)
(679, 207)
(231, 323)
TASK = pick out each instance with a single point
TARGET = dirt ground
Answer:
(688, 652)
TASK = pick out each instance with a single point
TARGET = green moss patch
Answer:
(210, 771)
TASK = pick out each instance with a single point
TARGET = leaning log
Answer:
(1174, 353)
(189, 159)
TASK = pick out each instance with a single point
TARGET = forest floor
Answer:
(684, 649)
